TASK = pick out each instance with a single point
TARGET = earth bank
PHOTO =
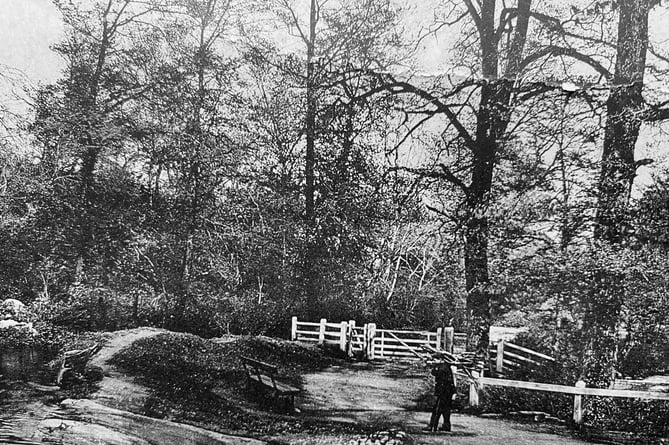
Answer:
(168, 388)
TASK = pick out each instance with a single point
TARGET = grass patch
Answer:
(182, 369)
(187, 365)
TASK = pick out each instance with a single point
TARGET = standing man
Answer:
(444, 388)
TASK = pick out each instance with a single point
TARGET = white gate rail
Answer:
(370, 341)
(321, 333)
(579, 391)
(398, 343)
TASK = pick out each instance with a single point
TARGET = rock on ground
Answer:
(86, 421)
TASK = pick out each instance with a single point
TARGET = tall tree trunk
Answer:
(311, 252)
(625, 108)
(92, 144)
(194, 185)
(493, 117)
(477, 230)
(310, 118)
(624, 119)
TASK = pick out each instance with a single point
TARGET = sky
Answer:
(27, 30)
(29, 27)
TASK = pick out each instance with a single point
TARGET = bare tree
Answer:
(625, 115)
(484, 113)
(84, 117)
(331, 37)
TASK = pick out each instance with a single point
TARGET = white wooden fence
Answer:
(389, 343)
(458, 344)
(369, 341)
(359, 338)
(579, 390)
(321, 333)
(506, 356)
(386, 343)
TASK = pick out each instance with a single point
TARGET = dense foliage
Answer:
(217, 167)
(168, 362)
(591, 339)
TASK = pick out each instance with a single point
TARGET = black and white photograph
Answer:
(334, 222)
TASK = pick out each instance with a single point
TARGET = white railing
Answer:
(370, 341)
(579, 390)
(507, 356)
(399, 343)
(321, 333)
(359, 339)
(459, 342)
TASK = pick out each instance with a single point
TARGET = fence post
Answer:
(293, 329)
(321, 331)
(365, 341)
(342, 336)
(449, 334)
(383, 344)
(371, 333)
(500, 356)
(474, 387)
(578, 404)
(439, 334)
(351, 336)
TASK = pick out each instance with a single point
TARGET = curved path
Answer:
(396, 395)
(108, 417)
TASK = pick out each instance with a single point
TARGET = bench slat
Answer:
(640, 385)
(271, 369)
(280, 387)
(286, 389)
(264, 373)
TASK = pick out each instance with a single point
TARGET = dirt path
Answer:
(386, 387)
(397, 395)
(117, 390)
(119, 340)
(109, 416)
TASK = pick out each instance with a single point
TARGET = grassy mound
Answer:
(183, 368)
(186, 364)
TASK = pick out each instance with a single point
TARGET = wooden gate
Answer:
(389, 343)
(370, 342)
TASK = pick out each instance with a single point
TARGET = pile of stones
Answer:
(13, 314)
(390, 437)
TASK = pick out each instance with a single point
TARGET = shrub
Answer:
(11, 338)
(182, 364)
(601, 312)
(46, 337)
(185, 365)
(632, 415)
(506, 400)
(87, 308)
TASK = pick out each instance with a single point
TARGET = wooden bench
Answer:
(651, 384)
(262, 376)
(76, 361)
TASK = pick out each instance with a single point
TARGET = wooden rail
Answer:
(403, 344)
(458, 342)
(654, 384)
(356, 338)
(323, 333)
(579, 390)
(370, 341)
(508, 356)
